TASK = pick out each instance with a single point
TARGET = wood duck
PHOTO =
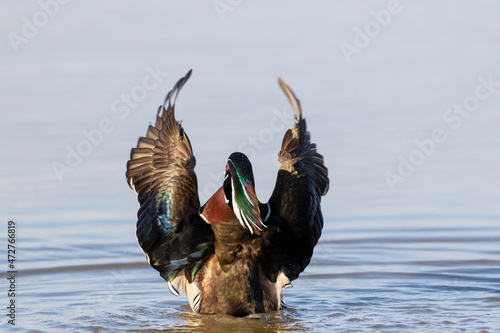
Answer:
(233, 255)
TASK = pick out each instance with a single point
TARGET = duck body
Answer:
(233, 255)
(233, 281)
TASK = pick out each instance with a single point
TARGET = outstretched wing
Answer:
(295, 201)
(170, 230)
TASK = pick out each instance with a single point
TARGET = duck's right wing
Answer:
(296, 220)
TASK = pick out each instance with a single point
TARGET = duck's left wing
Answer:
(161, 170)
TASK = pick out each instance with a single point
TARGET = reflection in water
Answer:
(278, 321)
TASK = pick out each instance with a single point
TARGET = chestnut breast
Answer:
(216, 209)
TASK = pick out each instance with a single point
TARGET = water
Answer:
(436, 274)
(418, 255)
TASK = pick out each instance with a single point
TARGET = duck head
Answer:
(239, 192)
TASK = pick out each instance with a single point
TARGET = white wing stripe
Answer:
(196, 304)
(173, 290)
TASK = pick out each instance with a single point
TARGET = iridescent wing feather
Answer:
(161, 170)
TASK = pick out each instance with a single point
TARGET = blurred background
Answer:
(401, 97)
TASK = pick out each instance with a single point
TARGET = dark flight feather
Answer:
(161, 171)
(295, 202)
